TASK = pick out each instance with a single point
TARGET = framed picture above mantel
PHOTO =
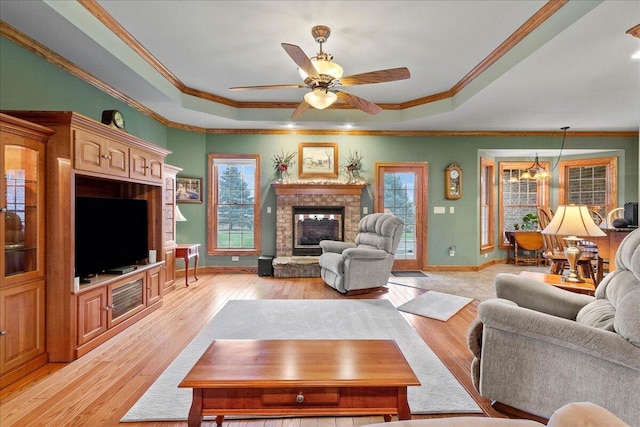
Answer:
(188, 190)
(317, 160)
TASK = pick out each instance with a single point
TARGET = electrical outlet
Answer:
(268, 209)
(235, 258)
(365, 210)
(452, 251)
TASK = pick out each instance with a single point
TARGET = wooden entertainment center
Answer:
(89, 159)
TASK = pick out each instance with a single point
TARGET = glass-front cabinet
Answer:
(22, 210)
(22, 265)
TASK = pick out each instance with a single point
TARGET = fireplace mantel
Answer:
(318, 188)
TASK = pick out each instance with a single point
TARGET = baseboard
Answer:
(222, 269)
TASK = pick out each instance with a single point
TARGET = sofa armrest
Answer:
(362, 253)
(538, 296)
(335, 246)
(559, 332)
(584, 414)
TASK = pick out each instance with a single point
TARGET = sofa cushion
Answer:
(599, 314)
(627, 319)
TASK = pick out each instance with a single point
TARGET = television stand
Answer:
(121, 270)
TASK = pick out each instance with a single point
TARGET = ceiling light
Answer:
(535, 171)
(320, 98)
(636, 55)
(323, 65)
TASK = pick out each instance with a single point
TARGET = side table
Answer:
(187, 251)
(586, 288)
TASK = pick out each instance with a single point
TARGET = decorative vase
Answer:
(283, 174)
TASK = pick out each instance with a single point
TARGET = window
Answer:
(233, 217)
(591, 182)
(486, 205)
(519, 197)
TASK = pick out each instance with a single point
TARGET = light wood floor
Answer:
(99, 388)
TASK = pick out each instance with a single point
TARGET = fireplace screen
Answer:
(313, 224)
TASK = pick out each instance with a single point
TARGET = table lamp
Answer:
(574, 222)
(178, 214)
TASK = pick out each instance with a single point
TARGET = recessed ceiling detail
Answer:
(503, 66)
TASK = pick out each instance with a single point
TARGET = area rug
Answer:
(440, 392)
(435, 305)
(408, 274)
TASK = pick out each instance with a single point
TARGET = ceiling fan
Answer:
(324, 77)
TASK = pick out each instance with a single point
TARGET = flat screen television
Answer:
(110, 233)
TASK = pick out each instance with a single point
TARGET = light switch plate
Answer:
(439, 210)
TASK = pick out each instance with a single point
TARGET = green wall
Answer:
(28, 82)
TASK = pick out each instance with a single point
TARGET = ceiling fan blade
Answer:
(300, 110)
(301, 59)
(380, 76)
(359, 103)
(293, 86)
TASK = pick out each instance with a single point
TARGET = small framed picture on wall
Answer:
(188, 190)
(318, 160)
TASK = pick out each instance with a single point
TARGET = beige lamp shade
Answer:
(573, 220)
(178, 215)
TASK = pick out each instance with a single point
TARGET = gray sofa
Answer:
(579, 414)
(358, 267)
(538, 347)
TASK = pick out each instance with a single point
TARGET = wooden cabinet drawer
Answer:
(301, 396)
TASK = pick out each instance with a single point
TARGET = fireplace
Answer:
(311, 224)
(316, 196)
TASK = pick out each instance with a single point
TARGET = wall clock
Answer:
(453, 181)
(113, 118)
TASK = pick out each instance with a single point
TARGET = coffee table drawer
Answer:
(301, 396)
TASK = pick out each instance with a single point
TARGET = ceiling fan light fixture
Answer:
(323, 66)
(320, 98)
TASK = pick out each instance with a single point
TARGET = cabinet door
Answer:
(145, 165)
(89, 151)
(126, 298)
(22, 226)
(117, 159)
(22, 334)
(170, 267)
(93, 311)
(139, 164)
(155, 168)
(154, 285)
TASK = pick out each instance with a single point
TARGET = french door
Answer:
(401, 190)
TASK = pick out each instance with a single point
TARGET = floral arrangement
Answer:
(354, 163)
(282, 161)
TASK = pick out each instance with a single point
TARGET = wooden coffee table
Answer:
(300, 378)
(587, 288)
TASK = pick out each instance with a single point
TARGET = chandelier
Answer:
(535, 171)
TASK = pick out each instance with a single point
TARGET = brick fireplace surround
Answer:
(311, 194)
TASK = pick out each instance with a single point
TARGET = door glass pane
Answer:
(21, 217)
(399, 200)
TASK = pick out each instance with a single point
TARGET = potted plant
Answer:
(529, 222)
